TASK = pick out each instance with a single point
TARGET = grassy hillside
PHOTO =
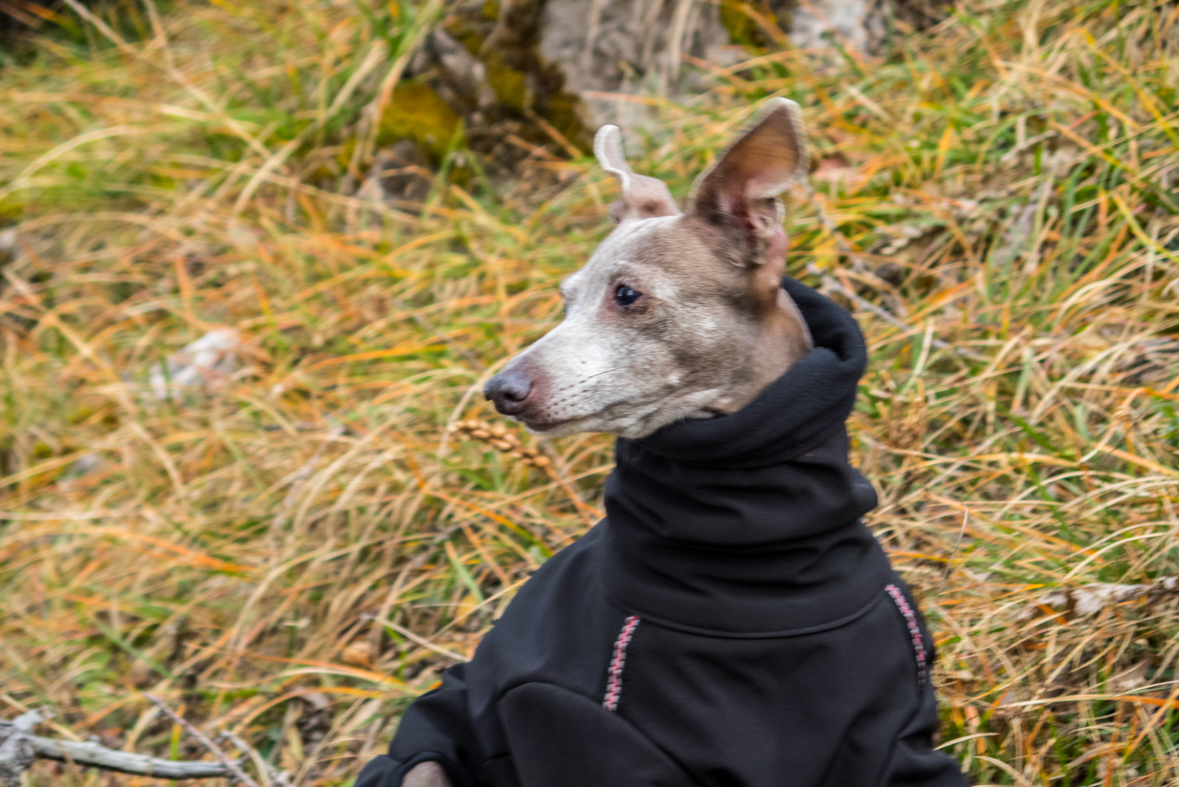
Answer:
(293, 547)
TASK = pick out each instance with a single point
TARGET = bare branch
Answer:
(95, 756)
(19, 748)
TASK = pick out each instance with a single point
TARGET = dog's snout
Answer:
(509, 390)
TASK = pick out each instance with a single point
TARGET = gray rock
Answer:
(630, 48)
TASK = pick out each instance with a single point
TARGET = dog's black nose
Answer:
(509, 390)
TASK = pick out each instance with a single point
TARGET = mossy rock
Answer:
(564, 112)
(510, 85)
(417, 112)
(11, 210)
(744, 29)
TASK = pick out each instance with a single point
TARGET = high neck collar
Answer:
(748, 524)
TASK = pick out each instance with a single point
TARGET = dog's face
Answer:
(675, 315)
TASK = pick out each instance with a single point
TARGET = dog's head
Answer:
(676, 315)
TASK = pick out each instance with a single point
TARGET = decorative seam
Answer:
(914, 630)
(617, 662)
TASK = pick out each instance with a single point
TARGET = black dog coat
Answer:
(730, 623)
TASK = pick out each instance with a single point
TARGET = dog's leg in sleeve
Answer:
(913, 761)
(436, 728)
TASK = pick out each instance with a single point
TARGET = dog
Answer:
(731, 622)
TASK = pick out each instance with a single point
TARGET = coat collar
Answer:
(748, 523)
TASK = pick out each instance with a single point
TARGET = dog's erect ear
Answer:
(642, 197)
(740, 189)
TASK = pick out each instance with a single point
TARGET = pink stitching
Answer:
(914, 630)
(614, 683)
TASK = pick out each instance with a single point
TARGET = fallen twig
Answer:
(19, 748)
(95, 756)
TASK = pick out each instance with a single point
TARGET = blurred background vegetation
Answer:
(257, 260)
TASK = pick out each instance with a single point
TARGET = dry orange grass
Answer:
(295, 547)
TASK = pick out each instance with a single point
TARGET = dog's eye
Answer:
(624, 296)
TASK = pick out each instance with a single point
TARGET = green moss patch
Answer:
(417, 112)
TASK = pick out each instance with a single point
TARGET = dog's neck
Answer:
(781, 341)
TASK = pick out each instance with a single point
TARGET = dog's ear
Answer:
(642, 197)
(739, 192)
